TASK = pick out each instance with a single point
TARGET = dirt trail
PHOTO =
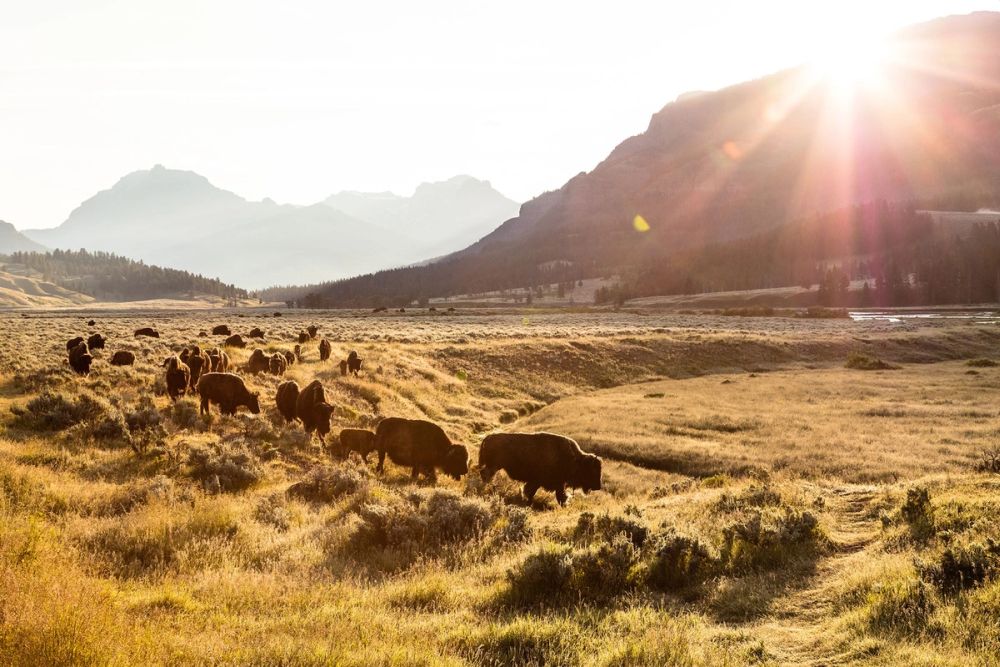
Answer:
(794, 632)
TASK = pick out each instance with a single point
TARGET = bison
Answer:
(258, 362)
(277, 364)
(313, 410)
(312, 330)
(228, 391)
(96, 341)
(80, 359)
(73, 342)
(357, 440)
(303, 337)
(178, 377)
(219, 360)
(122, 358)
(420, 445)
(235, 340)
(540, 460)
(343, 366)
(298, 353)
(91, 323)
(286, 399)
(147, 331)
(256, 332)
(198, 363)
(221, 330)
(289, 357)
(325, 349)
(353, 362)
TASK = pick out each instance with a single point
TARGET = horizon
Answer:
(255, 111)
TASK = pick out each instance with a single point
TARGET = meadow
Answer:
(763, 503)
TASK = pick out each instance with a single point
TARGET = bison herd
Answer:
(538, 460)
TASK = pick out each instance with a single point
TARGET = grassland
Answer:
(763, 504)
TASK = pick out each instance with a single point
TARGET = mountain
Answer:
(20, 291)
(438, 218)
(12, 240)
(714, 168)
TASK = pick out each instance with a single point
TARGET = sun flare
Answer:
(847, 64)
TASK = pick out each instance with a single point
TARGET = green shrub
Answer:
(981, 363)
(326, 483)
(900, 607)
(961, 567)
(678, 562)
(184, 413)
(918, 513)
(543, 577)
(766, 541)
(590, 528)
(862, 362)
(231, 464)
(54, 412)
(750, 498)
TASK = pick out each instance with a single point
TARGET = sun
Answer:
(850, 62)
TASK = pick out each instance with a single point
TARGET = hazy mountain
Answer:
(179, 219)
(716, 167)
(12, 240)
(439, 217)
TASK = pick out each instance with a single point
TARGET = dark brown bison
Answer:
(228, 391)
(380, 309)
(91, 323)
(277, 364)
(221, 330)
(353, 362)
(277, 314)
(80, 359)
(540, 460)
(298, 353)
(357, 440)
(343, 366)
(289, 357)
(258, 362)
(313, 410)
(325, 349)
(235, 340)
(147, 331)
(199, 363)
(122, 358)
(96, 341)
(303, 337)
(420, 445)
(286, 398)
(312, 330)
(73, 342)
(178, 377)
(256, 332)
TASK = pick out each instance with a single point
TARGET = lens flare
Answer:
(640, 224)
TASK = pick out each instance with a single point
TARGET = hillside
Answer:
(12, 240)
(81, 276)
(18, 291)
(178, 218)
(715, 168)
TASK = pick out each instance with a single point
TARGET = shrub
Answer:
(981, 363)
(542, 577)
(184, 413)
(962, 567)
(750, 498)
(234, 466)
(326, 483)
(54, 412)
(900, 607)
(679, 561)
(918, 513)
(862, 362)
(989, 460)
(273, 511)
(605, 571)
(591, 528)
(765, 541)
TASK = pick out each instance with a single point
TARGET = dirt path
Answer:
(794, 633)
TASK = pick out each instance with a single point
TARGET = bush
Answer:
(542, 577)
(918, 513)
(862, 362)
(900, 607)
(326, 483)
(184, 413)
(590, 528)
(981, 363)
(766, 541)
(750, 498)
(273, 511)
(678, 562)
(989, 460)
(232, 464)
(54, 412)
(962, 567)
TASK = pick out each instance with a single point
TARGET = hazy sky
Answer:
(296, 100)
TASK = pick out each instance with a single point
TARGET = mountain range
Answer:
(179, 219)
(717, 167)
(12, 240)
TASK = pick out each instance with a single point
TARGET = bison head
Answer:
(322, 413)
(486, 473)
(253, 403)
(589, 473)
(456, 461)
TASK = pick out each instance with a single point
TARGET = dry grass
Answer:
(755, 510)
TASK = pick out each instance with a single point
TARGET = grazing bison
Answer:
(73, 342)
(325, 349)
(80, 359)
(286, 398)
(277, 364)
(256, 332)
(96, 341)
(353, 362)
(303, 337)
(147, 331)
(357, 440)
(313, 410)
(343, 366)
(277, 314)
(540, 460)
(312, 330)
(122, 358)
(221, 330)
(178, 377)
(228, 391)
(258, 362)
(298, 353)
(235, 340)
(420, 445)
(198, 363)
(289, 357)
(91, 323)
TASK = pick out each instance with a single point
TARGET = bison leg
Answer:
(381, 462)
(415, 473)
(204, 405)
(431, 474)
(561, 494)
(529, 491)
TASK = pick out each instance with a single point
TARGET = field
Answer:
(764, 501)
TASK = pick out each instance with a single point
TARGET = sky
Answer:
(299, 99)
